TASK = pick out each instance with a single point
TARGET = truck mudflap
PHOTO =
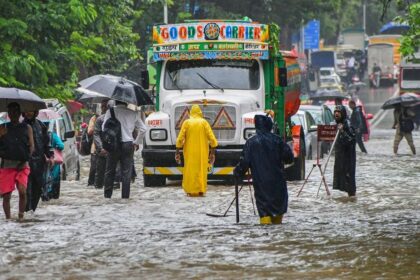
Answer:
(296, 131)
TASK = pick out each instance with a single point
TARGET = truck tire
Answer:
(154, 180)
(297, 171)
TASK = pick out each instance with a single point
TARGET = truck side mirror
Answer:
(283, 77)
(144, 77)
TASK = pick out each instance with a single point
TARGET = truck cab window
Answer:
(224, 74)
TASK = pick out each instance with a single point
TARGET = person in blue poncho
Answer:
(265, 154)
(52, 188)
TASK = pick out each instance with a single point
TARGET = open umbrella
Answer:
(47, 115)
(98, 87)
(406, 100)
(27, 100)
(324, 94)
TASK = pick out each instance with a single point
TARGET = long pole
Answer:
(237, 200)
(165, 11)
(364, 16)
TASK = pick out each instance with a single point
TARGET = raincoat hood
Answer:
(342, 110)
(196, 112)
(263, 123)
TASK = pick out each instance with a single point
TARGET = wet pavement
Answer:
(159, 233)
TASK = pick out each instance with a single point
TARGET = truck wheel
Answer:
(154, 180)
(297, 171)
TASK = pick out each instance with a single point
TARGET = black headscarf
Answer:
(263, 123)
(343, 111)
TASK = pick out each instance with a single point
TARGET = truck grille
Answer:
(221, 118)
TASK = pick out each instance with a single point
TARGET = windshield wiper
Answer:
(174, 82)
(209, 83)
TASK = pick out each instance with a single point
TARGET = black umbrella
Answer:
(27, 100)
(98, 87)
(325, 94)
(406, 99)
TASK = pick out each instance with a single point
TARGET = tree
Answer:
(411, 40)
(47, 46)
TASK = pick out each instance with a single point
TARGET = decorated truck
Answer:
(233, 70)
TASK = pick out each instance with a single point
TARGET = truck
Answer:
(355, 37)
(394, 40)
(382, 55)
(233, 70)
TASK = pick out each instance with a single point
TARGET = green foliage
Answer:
(411, 40)
(47, 46)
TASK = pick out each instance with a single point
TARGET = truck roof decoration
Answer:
(210, 40)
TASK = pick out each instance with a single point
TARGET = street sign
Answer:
(327, 132)
(311, 35)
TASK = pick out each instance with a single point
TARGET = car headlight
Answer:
(158, 134)
(249, 132)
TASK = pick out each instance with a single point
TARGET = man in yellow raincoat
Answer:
(195, 137)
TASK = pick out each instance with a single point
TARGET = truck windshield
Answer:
(222, 74)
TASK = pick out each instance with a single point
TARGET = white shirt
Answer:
(129, 120)
(351, 62)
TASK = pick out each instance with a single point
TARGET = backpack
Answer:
(111, 134)
(85, 143)
(16, 137)
(406, 125)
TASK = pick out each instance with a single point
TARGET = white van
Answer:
(65, 130)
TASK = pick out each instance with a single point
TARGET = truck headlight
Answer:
(158, 134)
(249, 132)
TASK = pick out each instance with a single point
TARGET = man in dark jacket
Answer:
(345, 154)
(100, 152)
(38, 160)
(358, 122)
(265, 154)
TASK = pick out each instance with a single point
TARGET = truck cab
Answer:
(229, 70)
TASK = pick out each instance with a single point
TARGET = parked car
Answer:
(329, 72)
(309, 127)
(322, 115)
(65, 130)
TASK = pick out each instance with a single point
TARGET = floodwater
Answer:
(159, 233)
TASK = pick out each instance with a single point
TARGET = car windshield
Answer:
(327, 81)
(209, 74)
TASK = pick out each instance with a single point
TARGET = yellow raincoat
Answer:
(195, 137)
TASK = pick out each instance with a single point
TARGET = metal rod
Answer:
(237, 200)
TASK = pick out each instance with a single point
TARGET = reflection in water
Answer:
(160, 233)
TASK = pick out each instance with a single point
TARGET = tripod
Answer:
(236, 199)
(322, 171)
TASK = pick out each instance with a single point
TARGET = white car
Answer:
(328, 75)
(65, 130)
(322, 115)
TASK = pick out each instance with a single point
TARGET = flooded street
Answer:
(161, 233)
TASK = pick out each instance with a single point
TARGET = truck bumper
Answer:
(162, 162)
